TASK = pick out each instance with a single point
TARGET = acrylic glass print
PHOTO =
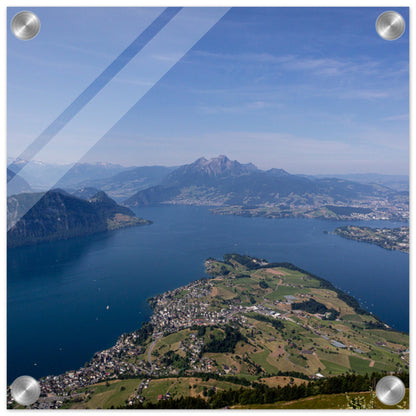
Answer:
(207, 208)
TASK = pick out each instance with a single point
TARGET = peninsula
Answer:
(388, 238)
(251, 325)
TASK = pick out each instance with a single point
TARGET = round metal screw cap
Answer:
(390, 390)
(25, 390)
(390, 25)
(25, 25)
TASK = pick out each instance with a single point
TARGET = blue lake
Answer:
(58, 292)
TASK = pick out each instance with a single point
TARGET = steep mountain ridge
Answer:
(206, 172)
(220, 181)
(58, 215)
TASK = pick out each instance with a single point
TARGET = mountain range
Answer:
(220, 181)
(41, 176)
(119, 182)
(124, 184)
(227, 186)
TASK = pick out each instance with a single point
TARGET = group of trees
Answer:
(244, 260)
(263, 284)
(262, 394)
(312, 306)
(275, 322)
(225, 343)
(181, 403)
(173, 359)
(143, 333)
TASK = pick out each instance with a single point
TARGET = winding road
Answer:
(149, 359)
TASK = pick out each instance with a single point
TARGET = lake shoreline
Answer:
(72, 281)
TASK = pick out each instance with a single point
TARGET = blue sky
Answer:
(308, 90)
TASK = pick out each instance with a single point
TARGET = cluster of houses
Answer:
(137, 395)
(163, 396)
(105, 365)
(182, 308)
(383, 210)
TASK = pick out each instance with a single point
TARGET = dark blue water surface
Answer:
(58, 292)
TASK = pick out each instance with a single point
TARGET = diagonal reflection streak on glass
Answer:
(95, 87)
(155, 59)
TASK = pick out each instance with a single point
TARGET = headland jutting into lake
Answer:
(252, 320)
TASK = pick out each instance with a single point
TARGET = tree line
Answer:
(275, 322)
(312, 306)
(262, 394)
(226, 343)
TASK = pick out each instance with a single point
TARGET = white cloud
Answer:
(398, 117)
(317, 66)
(235, 109)
(363, 94)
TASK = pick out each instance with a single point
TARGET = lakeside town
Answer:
(370, 209)
(222, 303)
(388, 238)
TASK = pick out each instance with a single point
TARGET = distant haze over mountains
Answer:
(117, 181)
(241, 189)
(220, 181)
(18, 185)
(397, 182)
(122, 182)
(41, 175)
(129, 181)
